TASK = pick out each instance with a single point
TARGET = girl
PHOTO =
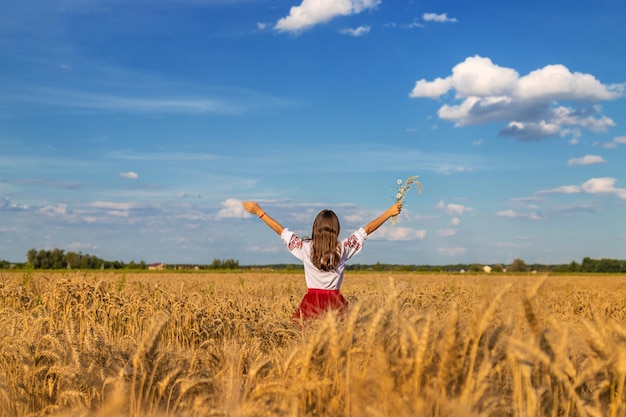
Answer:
(324, 257)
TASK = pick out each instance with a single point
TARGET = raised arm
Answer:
(254, 208)
(393, 210)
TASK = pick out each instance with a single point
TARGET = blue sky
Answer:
(132, 130)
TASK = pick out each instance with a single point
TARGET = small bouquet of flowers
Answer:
(402, 189)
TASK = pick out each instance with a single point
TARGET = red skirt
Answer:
(318, 302)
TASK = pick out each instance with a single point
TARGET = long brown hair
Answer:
(325, 250)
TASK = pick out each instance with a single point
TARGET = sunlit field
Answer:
(211, 344)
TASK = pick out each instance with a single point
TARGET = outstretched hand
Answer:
(252, 207)
(392, 212)
(395, 209)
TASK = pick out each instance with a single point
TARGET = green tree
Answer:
(57, 259)
(224, 264)
(43, 259)
(72, 260)
(31, 257)
(518, 265)
(232, 264)
(609, 266)
(589, 265)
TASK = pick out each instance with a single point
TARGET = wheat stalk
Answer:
(399, 352)
(403, 189)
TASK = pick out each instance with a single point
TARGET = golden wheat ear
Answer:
(403, 190)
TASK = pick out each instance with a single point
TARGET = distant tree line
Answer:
(602, 265)
(59, 259)
(224, 264)
(588, 265)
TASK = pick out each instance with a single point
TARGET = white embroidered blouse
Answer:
(315, 278)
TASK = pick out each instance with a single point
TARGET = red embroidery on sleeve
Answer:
(352, 242)
(295, 242)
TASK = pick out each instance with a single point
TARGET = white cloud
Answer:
(312, 12)
(580, 207)
(74, 246)
(446, 232)
(108, 205)
(113, 209)
(620, 140)
(6, 204)
(455, 221)
(452, 251)
(60, 210)
(232, 208)
(507, 213)
(121, 103)
(564, 189)
(452, 209)
(129, 175)
(457, 209)
(412, 25)
(431, 89)
(399, 233)
(118, 213)
(440, 18)
(528, 104)
(512, 214)
(354, 218)
(265, 249)
(602, 186)
(556, 82)
(356, 32)
(531, 131)
(586, 160)
(480, 77)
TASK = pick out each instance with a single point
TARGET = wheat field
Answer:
(222, 344)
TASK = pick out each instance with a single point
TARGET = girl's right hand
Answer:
(395, 209)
